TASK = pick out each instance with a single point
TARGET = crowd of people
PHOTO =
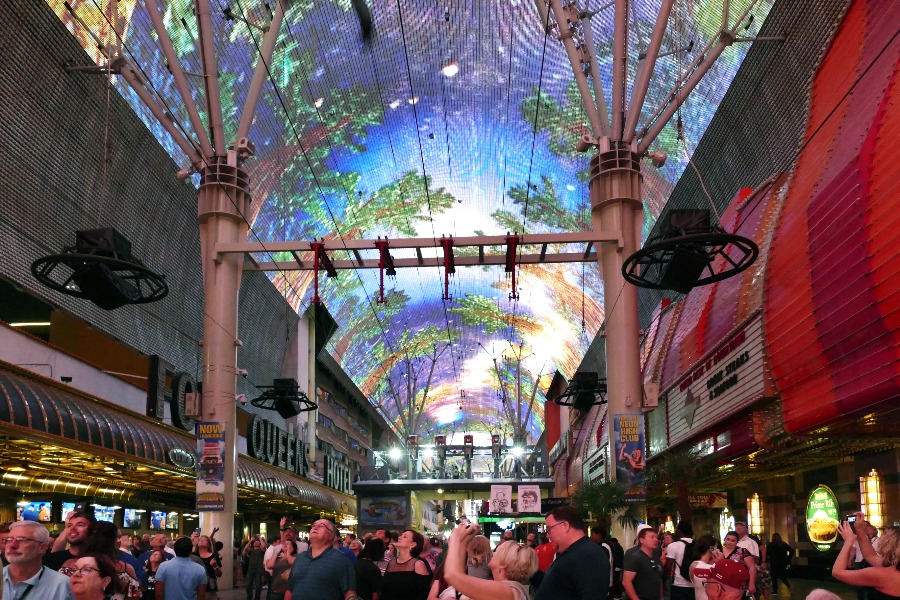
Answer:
(678, 567)
(90, 560)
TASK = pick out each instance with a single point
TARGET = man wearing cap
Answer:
(642, 575)
(322, 572)
(26, 542)
(726, 580)
(76, 534)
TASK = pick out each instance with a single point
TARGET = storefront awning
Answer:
(33, 403)
(89, 445)
(260, 476)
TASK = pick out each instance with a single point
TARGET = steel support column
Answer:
(222, 200)
(616, 207)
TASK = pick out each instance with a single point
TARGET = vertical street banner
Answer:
(501, 499)
(630, 459)
(211, 466)
(529, 499)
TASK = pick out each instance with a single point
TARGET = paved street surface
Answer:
(800, 588)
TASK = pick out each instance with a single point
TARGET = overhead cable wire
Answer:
(425, 176)
(309, 164)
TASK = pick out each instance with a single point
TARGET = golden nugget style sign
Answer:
(822, 518)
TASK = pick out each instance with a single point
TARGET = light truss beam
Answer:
(301, 251)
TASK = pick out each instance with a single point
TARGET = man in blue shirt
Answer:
(180, 578)
(26, 544)
(322, 572)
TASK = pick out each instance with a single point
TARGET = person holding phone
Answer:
(279, 564)
(512, 566)
(706, 554)
(884, 574)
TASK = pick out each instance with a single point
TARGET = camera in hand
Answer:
(851, 518)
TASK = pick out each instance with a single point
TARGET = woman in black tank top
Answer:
(407, 577)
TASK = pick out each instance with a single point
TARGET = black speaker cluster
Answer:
(101, 268)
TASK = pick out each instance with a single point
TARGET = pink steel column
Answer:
(616, 208)
(222, 199)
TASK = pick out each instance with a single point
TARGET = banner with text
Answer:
(629, 435)
(211, 466)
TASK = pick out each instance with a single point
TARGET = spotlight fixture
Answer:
(658, 158)
(103, 270)
(682, 256)
(450, 69)
(585, 389)
(284, 396)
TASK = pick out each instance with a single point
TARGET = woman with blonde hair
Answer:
(478, 555)
(511, 566)
(884, 574)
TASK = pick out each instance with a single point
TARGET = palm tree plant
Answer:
(675, 473)
(605, 500)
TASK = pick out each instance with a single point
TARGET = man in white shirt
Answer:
(682, 589)
(745, 541)
(598, 536)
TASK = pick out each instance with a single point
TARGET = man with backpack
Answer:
(598, 536)
(679, 556)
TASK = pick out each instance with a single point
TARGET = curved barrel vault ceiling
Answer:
(361, 139)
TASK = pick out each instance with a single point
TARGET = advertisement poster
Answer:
(211, 466)
(384, 510)
(501, 499)
(822, 518)
(714, 500)
(629, 435)
(529, 499)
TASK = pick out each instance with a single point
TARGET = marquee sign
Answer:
(165, 385)
(719, 384)
(272, 444)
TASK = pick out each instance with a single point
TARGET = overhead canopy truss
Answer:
(485, 251)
